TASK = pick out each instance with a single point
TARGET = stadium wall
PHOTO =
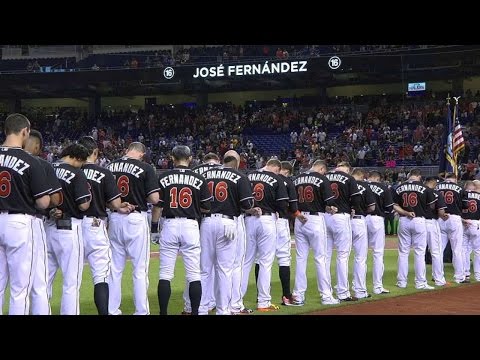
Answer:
(55, 102)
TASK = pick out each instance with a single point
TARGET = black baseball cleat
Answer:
(350, 298)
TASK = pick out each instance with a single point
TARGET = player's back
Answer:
(313, 191)
(453, 196)
(74, 190)
(343, 186)
(18, 179)
(383, 198)
(268, 188)
(228, 187)
(181, 192)
(367, 199)
(413, 196)
(135, 180)
(103, 187)
(471, 209)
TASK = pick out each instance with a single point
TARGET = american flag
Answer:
(458, 141)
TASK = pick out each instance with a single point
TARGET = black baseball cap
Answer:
(181, 152)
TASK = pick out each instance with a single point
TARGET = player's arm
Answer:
(82, 193)
(328, 197)
(55, 195)
(281, 196)
(431, 198)
(370, 197)
(205, 198)
(40, 190)
(54, 199)
(403, 212)
(151, 185)
(156, 214)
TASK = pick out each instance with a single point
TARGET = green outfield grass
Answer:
(312, 303)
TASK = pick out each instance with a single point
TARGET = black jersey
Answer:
(314, 192)
(268, 189)
(367, 199)
(471, 208)
(453, 195)
(414, 196)
(292, 197)
(21, 181)
(344, 188)
(181, 193)
(439, 204)
(51, 179)
(383, 198)
(200, 169)
(135, 179)
(75, 189)
(229, 188)
(103, 187)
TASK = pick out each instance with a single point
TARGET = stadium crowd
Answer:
(380, 134)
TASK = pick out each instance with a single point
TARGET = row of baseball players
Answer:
(324, 205)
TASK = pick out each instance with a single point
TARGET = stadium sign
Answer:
(250, 69)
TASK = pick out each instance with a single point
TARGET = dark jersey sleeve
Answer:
(369, 196)
(245, 193)
(440, 204)
(430, 196)
(388, 204)
(205, 196)
(327, 193)
(51, 178)
(282, 192)
(151, 180)
(81, 188)
(38, 188)
(111, 188)
(292, 197)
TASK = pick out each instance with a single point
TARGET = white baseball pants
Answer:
(261, 245)
(412, 233)
(65, 251)
(434, 242)
(376, 241)
(339, 235)
(360, 249)
(129, 237)
(312, 234)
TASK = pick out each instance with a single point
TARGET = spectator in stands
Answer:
(134, 63)
(95, 67)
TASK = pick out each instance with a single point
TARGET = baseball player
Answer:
(361, 209)
(339, 229)
(130, 233)
(209, 160)
(95, 239)
(232, 192)
(411, 200)
(314, 198)
(64, 227)
(434, 240)
(20, 195)
(184, 197)
(39, 296)
(471, 231)
(376, 228)
(451, 227)
(270, 195)
(283, 247)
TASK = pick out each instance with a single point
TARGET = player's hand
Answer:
(302, 218)
(445, 217)
(411, 214)
(155, 238)
(230, 231)
(352, 213)
(56, 213)
(331, 209)
(155, 227)
(467, 223)
(126, 208)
